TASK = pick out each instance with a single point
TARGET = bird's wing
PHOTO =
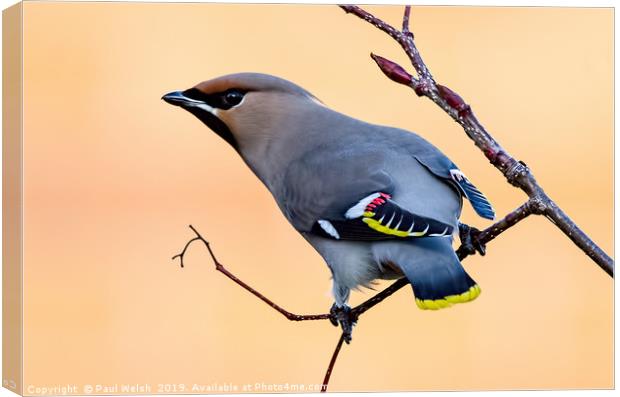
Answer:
(324, 183)
(378, 217)
(319, 189)
(446, 170)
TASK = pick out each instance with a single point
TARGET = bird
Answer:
(376, 202)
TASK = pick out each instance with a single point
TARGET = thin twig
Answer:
(356, 311)
(219, 267)
(516, 172)
(485, 236)
(182, 254)
(406, 19)
(332, 362)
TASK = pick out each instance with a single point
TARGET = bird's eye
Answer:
(233, 98)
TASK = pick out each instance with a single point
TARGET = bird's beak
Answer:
(175, 98)
(178, 99)
(204, 112)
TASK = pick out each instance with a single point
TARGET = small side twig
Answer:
(219, 267)
(356, 311)
(406, 19)
(181, 255)
(290, 316)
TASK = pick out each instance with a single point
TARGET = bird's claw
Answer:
(469, 241)
(343, 316)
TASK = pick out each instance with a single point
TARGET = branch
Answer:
(488, 234)
(356, 312)
(332, 362)
(219, 267)
(516, 172)
(406, 19)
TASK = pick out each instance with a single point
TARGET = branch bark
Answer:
(517, 173)
(332, 362)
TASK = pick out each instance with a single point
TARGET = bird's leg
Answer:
(341, 313)
(469, 241)
(344, 316)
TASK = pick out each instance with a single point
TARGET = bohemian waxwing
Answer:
(376, 202)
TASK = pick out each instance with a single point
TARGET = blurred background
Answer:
(113, 176)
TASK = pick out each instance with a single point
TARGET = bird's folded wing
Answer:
(481, 204)
(446, 170)
(378, 217)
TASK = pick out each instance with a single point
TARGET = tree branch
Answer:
(219, 267)
(332, 362)
(516, 172)
(488, 234)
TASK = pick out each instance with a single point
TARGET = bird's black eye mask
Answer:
(220, 100)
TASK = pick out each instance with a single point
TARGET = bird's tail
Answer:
(435, 273)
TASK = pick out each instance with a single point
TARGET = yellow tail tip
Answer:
(435, 304)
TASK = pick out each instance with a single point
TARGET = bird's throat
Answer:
(215, 124)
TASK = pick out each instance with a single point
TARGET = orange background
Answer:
(113, 175)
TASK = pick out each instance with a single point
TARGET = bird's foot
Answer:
(344, 316)
(469, 240)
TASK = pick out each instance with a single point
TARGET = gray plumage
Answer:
(326, 171)
(319, 163)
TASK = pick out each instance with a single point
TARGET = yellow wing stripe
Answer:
(435, 304)
(376, 225)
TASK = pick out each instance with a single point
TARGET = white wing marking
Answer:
(329, 228)
(358, 209)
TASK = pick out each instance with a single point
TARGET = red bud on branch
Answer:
(454, 100)
(392, 70)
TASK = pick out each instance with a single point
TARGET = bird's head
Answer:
(243, 108)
